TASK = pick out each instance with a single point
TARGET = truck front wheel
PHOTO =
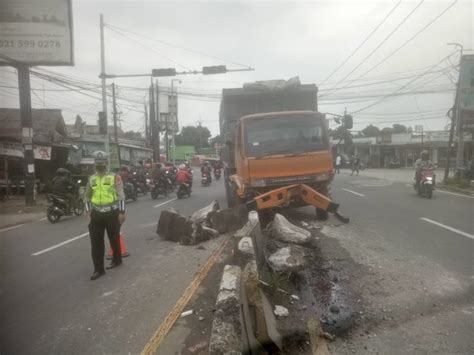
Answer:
(230, 194)
(323, 215)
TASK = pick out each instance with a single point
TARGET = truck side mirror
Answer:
(348, 122)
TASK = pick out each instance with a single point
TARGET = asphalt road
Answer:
(49, 305)
(441, 229)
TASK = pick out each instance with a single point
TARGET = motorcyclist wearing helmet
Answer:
(64, 187)
(206, 168)
(183, 176)
(422, 163)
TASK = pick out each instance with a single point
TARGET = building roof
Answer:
(48, 125)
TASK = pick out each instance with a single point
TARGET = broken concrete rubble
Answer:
(282, 229)
(229, 219)
(179, 229)
(200, 216)
(249, 226)
(226, 333)
(287, 259)
(281, 311)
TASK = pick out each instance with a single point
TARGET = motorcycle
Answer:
(427, 181)
(160, 187)
(182, 190)
(58, 207)
(139, 184)
(130, 191)
(205, 179)
(217, 173)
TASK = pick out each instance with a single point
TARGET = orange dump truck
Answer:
(277, 151)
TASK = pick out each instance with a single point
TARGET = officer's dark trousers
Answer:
(99, 223)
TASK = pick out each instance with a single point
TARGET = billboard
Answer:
(466, 93)
(36, 32)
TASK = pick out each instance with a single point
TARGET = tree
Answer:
(216, 140)
(399, 128)
(133, 136)
(386, 130)
(371, 131)
(196, 136)
(342, 133)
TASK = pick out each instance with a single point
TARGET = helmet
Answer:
(100, 157)
(425, 154)
(182, 166)
(62, 172)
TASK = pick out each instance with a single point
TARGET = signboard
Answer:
(418, 128)
(466, 93)
(169, 113)
(36, 32)
(13, 149)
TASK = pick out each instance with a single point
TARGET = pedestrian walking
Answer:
(105, 204)
(338, 163)
(355, 164)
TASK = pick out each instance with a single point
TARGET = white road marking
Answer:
(43, 219)
(60, 244)
(12, 227)
(454, 193)
(409, 185)
(448, 228)
(353, 192)
(164, 203)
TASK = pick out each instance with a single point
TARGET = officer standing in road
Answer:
(105, 203)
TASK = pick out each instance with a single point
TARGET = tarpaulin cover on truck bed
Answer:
(274, 84)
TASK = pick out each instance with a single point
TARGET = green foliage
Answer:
(371, 131)
(196, 136)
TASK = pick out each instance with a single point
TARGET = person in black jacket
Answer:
(64, 187)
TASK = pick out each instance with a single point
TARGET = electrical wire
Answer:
(108, 25)
(405, 43)
(383, 41)
(363, 42)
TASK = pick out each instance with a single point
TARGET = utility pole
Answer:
(147, 133)
(166, 137)
(200, 136)
(115, 124)
(452, 116)
(27, 133)
(153, 123)
(460, 149)
(104, 86)
(157, 118)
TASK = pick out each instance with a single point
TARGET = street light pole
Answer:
(104, 86)
(175, 119)
(460, 150)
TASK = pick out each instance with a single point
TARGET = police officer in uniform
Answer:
(105, 203)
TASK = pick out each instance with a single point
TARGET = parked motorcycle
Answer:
(130, 191)
(160, 187)
(217, 174)
(205, 179)
(427, 181)
(182, 190)
(58, 207)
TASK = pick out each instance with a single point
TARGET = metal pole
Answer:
(104, 85)
(115, 124)
(153, 123)
(450, 141)
(27, 133)
(158, 120)
(147, 133)
(460, 148)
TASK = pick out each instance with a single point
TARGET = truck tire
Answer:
(231, 198)
(323, 215)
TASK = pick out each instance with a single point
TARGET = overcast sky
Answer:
(280, 40)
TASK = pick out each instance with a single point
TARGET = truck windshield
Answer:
(284, 135)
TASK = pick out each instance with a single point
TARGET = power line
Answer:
(401, 88)
(177, 46)
(383, 41)
(406, 42)
(363, 42)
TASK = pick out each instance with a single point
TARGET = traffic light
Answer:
(102, 122)
(163, 72)
(348, 122)
(217, 69)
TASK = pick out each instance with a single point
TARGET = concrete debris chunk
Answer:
(288, 259)
(200, 216)
(245, 246)
(182, 230)
(229, 219)
(249, 226)
(282, 229)
(281, 311)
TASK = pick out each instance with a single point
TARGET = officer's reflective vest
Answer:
(103, 190)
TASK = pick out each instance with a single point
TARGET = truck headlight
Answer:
(322, 177)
